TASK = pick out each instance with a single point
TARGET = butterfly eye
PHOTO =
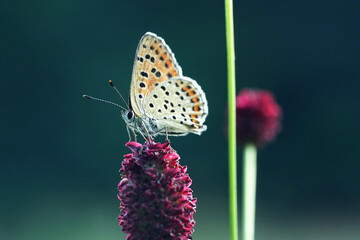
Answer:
(130, 115)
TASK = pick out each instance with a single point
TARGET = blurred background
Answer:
(60, 154)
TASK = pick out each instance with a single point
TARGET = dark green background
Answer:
(60, 154)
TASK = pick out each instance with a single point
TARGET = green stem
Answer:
(249, 192)
(229, 20)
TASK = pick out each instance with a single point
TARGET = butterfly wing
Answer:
(179, 104)
(154, 64)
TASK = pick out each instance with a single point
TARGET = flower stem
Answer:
(232, 118)
(249, 192)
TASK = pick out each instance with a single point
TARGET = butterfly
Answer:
(162, 101)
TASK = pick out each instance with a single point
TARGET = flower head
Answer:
(258, 117)
(155, 195)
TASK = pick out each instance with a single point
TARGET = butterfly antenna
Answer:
(102, 100)
(117, 91)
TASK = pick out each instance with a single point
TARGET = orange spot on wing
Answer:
(195, 100)
(192, 93)
(196, 109)
(169, 63)
(173, 72)
(186, 88)
(193, 117)
(196, 123)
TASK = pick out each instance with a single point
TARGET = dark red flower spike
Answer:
(258, 117)
(155, 194)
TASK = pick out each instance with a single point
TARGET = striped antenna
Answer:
(113, 86)
(102, 100)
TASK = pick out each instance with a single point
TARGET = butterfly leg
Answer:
(160, 131)
(142, 134)
(128, 131)
(133, 131)
(166, 135)
(142, 147)
(148, 137)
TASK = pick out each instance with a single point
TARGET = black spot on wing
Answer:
(144, 74)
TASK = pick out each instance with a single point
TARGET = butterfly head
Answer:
(128, 116)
